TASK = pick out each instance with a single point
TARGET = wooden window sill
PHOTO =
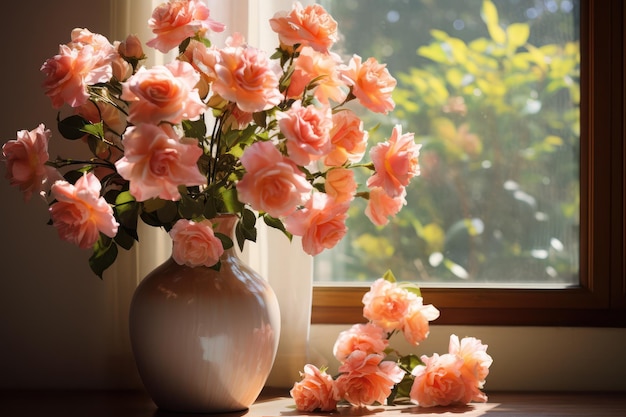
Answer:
(51, 403)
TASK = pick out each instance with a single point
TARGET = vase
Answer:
(204, 340)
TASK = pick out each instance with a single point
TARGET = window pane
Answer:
(493, 95)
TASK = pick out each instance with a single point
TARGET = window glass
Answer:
(491, 90)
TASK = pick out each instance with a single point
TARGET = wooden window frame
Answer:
(600, 299)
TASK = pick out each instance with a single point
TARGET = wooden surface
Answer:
(137, 404)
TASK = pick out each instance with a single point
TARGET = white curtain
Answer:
(284, 264)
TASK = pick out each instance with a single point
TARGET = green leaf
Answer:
(94, 129)
(195, 129)
(517, 35)
(389, 276)
(103, 256)
(127, 209)
(490, 17)
(276, 224)
(126, 238)
(168, 212)
(72, 127)
(190, 208)
(227, 242)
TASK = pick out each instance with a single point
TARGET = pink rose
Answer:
(309, 26)
(366, 379)
(438, 381)
(80, 214)
(368, 338)
(348, 139)
(380, 206)
(244, 75)
(476, 363)
(416, 322)
(156, 161)
(307, 130)
(321, 68)
(163, 94)
(386, 304)
(340, 184)
(316, 391)
(321, 223)
(272, 183)
(395, 161)
(26, 159)
(195, 243)
(371, 83)
(177, 20)
(203, 60)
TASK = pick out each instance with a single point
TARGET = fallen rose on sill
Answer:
(372, 373)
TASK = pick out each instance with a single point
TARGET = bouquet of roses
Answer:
(283, 145)
(371, 372)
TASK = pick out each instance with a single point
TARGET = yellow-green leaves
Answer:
(490, 17)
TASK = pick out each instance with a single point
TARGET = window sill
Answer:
(52, 403)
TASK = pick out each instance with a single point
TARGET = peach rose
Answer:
(321, 223)
(371, 83)
(416, 322)
(395, 161)
(26, 158)
(316, 391)
(80, 214)
(366, 379)
(476, 363)
(307, 26)
(386, 304)
(70, 72)
(272, 183)
(340, 184)
(321, 67)
(368, 338)
(156, 161)
(244, 75)
(307, 132)
(195, 243)
(203, 59)
(438, 381)
(163, 94)
(380, 206)
(177, 20)
(348, 139)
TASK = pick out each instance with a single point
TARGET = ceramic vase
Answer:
(204, 341)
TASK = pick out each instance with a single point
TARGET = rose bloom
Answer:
(80, 214)
(380, 206)
(307, 26)
(203, 60)
(395, 161)
(163, 94)
(177, 20)
(366, 379)
(195, 244)
(367, 338)
(156, 161)
(348, 139)
(244, 75)
(386, 304)
(70, 72)
(307, 130)
(340, 184)
(26, 158)
(438, 381)
(113, 118)
(476, 363)
(316, 391)
(272, 183)
(371, 83)
(416, 323)
(321, 67)
(321, 223)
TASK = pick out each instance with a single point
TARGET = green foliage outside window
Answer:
(498, 116)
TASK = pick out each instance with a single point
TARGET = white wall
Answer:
(62, 327)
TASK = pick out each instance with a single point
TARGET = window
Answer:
(599, 298)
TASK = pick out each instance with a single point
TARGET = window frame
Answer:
(600, 299)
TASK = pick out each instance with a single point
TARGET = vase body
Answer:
(204, 341)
